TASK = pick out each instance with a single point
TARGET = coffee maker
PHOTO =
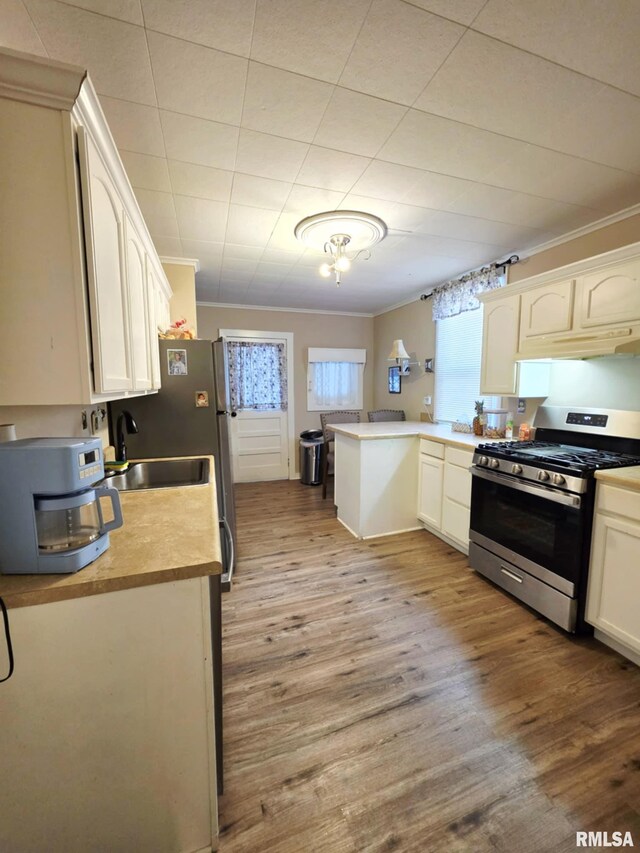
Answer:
(50, 513)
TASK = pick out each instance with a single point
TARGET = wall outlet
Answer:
(427, 400)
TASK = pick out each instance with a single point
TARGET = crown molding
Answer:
(201, 304)
(583, 231)
(184, 262)
(37, 80)
(415, 298)
(568, 271)
(620, 216)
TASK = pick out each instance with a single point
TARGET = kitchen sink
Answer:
(161, 474)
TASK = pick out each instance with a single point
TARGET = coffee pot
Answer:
(51, 515)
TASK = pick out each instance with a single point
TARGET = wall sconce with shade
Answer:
(401, 357)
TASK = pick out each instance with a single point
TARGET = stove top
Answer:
(570, 445)
(579, 460)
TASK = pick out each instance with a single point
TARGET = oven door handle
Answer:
(539, 491)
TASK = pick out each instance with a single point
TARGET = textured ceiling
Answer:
(474, 128)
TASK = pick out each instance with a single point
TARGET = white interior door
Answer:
(260, 438)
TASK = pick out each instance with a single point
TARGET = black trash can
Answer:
(310, 457)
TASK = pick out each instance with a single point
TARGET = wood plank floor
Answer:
(380, 696)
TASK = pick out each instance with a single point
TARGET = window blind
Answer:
(457, 367)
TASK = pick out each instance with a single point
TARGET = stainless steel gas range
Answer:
(532, 506)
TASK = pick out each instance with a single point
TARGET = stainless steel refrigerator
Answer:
(189, 416)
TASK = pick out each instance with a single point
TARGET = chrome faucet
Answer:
(131, 427)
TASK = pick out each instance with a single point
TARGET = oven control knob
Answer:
(493, 463)
(543, 475)
(516, 469)
(558, 480)
(483, 460)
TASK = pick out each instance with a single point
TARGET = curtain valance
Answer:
(459, 295)
(354, 356)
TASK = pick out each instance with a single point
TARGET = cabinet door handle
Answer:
(510, 574)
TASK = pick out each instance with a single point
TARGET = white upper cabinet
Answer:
(609, 296)
(158, 306)
(499, 345)
(106, 271)
(547, 310)
(141, 325)
(78, 323)
(586, 309)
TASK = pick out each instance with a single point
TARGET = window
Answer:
(257, 375)
(335, 379)
(457, 367)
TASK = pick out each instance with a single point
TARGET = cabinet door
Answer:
(534, 378)
(456, 495)
(499, 345)
(104, 243)
(163, 315)
(547, 310)
(139, 318)
(157, 313)
(457, 483)
(456, 521)
(430, 490)
(614, 579)
(609, 296)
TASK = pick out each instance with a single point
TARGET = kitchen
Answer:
(234, 128)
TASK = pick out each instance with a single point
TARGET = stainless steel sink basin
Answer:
(162, 474)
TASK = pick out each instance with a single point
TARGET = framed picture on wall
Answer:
(395, 380)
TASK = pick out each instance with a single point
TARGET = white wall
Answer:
(50, 421)
(605, 383)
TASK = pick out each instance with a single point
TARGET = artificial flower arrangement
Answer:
(177, 331)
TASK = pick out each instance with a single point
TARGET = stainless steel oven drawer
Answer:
(556, 606)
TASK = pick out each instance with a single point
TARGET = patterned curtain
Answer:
(257, 375)
(455, 297)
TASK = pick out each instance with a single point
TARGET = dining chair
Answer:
(386, 415)
(328, 452)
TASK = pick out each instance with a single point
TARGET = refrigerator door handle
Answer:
(224, 524)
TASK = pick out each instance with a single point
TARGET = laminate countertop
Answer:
(407, 429)
(168, 535)
(625, 478)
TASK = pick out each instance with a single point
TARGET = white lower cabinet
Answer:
(106, 726)
(430, 477)
(444, 491)
(614, 574)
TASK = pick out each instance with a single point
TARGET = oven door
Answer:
(539, 529)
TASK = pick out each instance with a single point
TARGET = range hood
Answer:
(585, 344)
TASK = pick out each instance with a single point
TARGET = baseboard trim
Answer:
(457, 545)
(617, 646)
